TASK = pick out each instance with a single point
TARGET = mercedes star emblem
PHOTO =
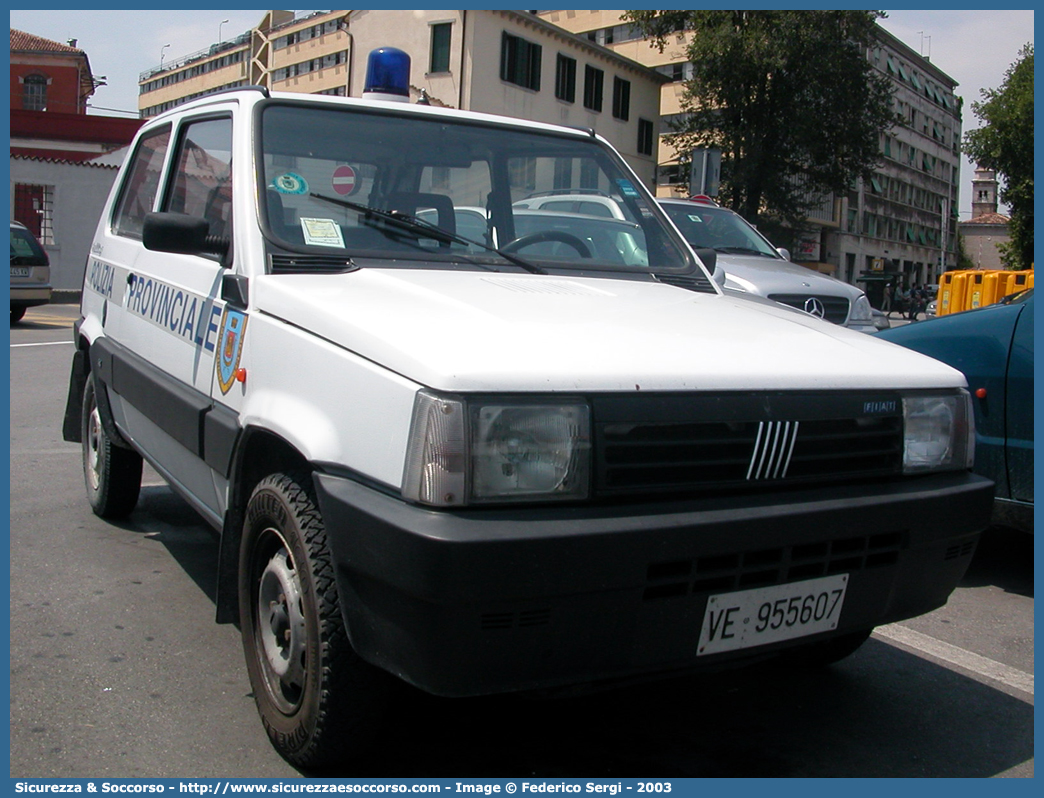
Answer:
(814, 307)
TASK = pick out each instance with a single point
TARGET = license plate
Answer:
(19, 271)
(764, 615)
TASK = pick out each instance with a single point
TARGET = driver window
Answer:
(203, 181)
(142, 184)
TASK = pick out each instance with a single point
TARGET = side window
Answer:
(139, 190)
(203, 178)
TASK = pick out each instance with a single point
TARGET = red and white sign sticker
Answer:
(344, 180)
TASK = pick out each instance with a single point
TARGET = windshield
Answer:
(377, 184)
(705, 226)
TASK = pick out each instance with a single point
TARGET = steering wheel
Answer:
(548, 235)
(733, 238)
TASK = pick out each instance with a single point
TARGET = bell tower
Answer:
(984, 192)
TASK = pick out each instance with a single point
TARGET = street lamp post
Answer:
(163, 49)
(219, 29)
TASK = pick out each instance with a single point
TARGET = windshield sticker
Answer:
(694, 218)
(233, 327)
(322, 232)
(627, 189)
(290, 184)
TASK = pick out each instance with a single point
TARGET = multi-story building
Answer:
(898, 227)
(495, 61)
(901, 226)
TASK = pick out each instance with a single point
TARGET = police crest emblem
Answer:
(233, 327)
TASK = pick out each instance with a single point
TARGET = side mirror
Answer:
(177, 232)
(784, 252)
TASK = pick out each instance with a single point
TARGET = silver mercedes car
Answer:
(753, 266)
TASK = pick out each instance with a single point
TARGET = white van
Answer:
(493, 450)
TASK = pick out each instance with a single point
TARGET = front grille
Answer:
(835, 308)
(724, 573)
(676, 445)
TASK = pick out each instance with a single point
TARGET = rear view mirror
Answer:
(177, 232)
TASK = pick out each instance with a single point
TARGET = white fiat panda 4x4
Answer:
(485, 448)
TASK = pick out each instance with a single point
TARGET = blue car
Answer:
(993, 346)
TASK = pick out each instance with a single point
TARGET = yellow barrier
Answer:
(972, 288)
(943, 300)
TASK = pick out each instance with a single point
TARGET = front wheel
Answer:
(112, 473)
(316, 697)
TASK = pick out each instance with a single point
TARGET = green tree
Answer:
(1005, 143)
(789, 98)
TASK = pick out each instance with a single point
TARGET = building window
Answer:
(645, 137)
(440, 47)
(520, 62)
(563, 172)
(34, 207)
(621, 98)
(522, 173)
(565, 78)
(588, 174)
(34, 93)
(593, 79)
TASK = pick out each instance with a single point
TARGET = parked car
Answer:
(753, 265)
(30, 272)
(993, 346)
(590, 203)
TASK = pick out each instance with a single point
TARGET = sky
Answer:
(975, 48)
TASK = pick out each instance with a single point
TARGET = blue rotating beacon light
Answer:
(387, 75)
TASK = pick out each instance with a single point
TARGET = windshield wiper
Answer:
(414, 224)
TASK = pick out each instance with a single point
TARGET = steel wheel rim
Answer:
(280, 625)
(94, 454)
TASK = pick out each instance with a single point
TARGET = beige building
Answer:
(606, 29)
(502, 62)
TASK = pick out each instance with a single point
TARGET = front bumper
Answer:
(485, 601)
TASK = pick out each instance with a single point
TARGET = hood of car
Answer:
(475, 331)
(766, 276)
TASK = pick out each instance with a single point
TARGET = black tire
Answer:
(318, 700)
(827, 652)
(17, 314)
(112, 473)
